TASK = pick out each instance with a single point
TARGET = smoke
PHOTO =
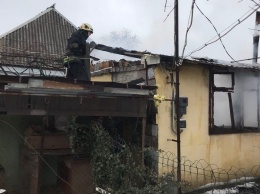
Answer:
(122, 38)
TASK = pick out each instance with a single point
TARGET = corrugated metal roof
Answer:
(39, 41)
(220, 63)
(36, 17)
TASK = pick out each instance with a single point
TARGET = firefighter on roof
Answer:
(75, 53)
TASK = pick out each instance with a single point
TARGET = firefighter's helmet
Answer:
(87, 27)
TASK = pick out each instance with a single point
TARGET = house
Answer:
(219, 112)
(36, 101)
(219, 106)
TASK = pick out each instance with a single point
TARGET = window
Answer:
(234, 101)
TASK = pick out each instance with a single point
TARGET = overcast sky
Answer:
(145, 18)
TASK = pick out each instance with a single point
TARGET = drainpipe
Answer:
(256, 38)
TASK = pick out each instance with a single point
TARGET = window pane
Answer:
(221, 109)
(223, 80)
(250, 109)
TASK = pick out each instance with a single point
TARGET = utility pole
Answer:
(256, 38)
(176, 67)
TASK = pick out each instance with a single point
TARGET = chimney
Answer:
(256, 38)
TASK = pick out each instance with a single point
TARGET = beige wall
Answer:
(102, 78)
(225, 151)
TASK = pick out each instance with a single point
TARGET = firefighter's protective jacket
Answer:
(76, 44)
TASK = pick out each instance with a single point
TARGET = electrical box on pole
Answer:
(183, 103)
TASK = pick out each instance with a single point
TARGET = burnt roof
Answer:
(168, 59)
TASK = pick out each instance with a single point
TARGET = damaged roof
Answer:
(169, 59)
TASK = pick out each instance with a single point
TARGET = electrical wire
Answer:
(23, 52)
(29, 52)
(245, 59)
(169, 13)
(165, 5)
(216, 32)
(188, 28)
(255, 2)
(26, 49)
(232, 26)
(59, 56)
